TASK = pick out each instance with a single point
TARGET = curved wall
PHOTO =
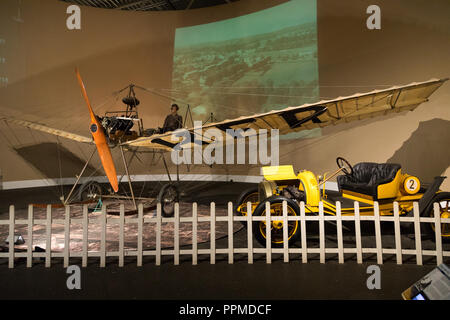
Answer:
(114, 48)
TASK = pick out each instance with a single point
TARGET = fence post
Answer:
(140, 233)
(30, 237)
(11, 237)
(303, 233)
(158, 234)
(268, 234)
(250, 232)
(417, 233)
(84, 258)
(321, 233)
(358, 234)
(340, 240)
(378, 242)
(121, 234)
(437, 231)
(230, 234)
(398, 236)
(67, 236)
(285, 233)
(103, 237)
(48, 235)
(176, 238)
(194, 233)
(213, 233)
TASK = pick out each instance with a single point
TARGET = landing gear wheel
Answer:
(168, 196)
(276, 228)
(443, 199)
(89, 190)
(250, 195)
(345, 166)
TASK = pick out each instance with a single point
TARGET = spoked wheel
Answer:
(443, 199)
(90, 190)
(250, 195)
(276, 227)
(168, 196)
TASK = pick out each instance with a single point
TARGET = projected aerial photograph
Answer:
(250, 64)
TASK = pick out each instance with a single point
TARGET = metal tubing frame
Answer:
(78, 178)
(128, 175)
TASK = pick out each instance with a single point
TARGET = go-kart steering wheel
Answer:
(344, 165)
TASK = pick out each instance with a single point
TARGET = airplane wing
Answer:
(292, 119)
(316, 115)
(72, 136)
(46, 129)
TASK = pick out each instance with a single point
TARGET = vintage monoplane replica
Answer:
(125, 130)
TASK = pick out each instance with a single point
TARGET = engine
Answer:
(292, 192)
(118, 129)
(114, 124)
(267, 189)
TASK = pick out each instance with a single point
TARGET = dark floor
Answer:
(259, 281)
(195, 191)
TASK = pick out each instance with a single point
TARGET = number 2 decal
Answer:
(411, 185)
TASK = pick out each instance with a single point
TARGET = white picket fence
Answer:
(289, 254)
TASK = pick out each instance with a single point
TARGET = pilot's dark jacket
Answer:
(172, 122)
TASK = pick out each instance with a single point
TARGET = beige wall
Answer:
(412, 45)
(115, 48)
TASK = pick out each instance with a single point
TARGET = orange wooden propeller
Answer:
(98, 134)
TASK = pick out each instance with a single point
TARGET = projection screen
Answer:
(249, 64)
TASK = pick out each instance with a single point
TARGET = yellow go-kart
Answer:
(366, 182)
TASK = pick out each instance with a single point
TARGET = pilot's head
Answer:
(174, 108)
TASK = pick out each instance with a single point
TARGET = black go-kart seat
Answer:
(367, 176)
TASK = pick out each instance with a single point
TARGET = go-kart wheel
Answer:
(168, 196)
(443, 199)
(276, 209)
(344, 165)
(240, 208)
(89, 190)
